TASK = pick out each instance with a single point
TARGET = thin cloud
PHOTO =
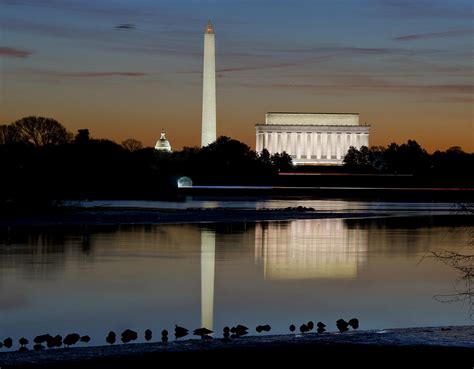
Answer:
(342, 50)
(370, 84)
(125, 26)
(11, 52)
(103, 74)
(433, 35)
(52, 73)
(424, 8)
(266, 66)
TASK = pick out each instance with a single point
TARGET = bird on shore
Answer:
(240, 330)
(263, 328)
(354, 323)
(202, 332)
(42, 338)
(342, 325)
(148, 335)
(292, 328)
(226, 331)
(38, 347)
(23, 341)
(304, 328)
(85, 339)
(71, 339)
(8, 342)
(55, 341)
(58, 340)
(128, 335)
(321, 327)
(50, 342)
(310, 325)
(111, 338)
(180, 331)
(164, 335)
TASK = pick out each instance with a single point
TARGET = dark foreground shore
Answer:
(449, 347)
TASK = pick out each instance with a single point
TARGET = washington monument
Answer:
(208, 132)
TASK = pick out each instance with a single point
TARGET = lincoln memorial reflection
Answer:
(310, 249)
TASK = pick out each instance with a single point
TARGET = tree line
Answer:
(409, 158)
(41, 162)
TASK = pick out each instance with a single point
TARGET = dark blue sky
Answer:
(406, 66)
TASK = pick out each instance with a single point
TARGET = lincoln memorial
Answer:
(312, 138)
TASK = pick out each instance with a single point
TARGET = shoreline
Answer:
(140, 216)
(433, 345)
(143, 216)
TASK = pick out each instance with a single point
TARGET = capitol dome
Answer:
(163, 144)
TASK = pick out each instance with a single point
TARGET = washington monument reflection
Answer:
(208, 257)
(310, 249)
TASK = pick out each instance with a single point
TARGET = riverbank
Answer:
(431, 347)
(117, 216)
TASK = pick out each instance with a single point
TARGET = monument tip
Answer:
(209, 27)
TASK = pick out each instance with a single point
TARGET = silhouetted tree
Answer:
(452, 161)
(351, 159)
(265, 157)
(282, 162)
(41, 131)
(464, 264)
(9, 135)
(82, 136)
(408, 158)
(358, 159)
(130, 144)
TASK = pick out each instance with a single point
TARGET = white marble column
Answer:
(324, 143)
(298, 146)
(284, 142)
(318, 146)
(366, 139)
(328, 146)
(338, 146)
(291, 150)
(273, 143)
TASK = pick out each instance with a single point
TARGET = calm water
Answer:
(279, 273)
(258, 203)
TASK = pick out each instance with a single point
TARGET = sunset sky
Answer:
(126, 68)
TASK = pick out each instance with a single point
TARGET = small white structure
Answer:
(184, 182)
(312, 138)
(163, 144)
(208, 130)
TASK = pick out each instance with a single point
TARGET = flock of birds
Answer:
(128, 335)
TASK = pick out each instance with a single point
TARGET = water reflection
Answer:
(98, 279)
(208, 256)
(310, 249)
